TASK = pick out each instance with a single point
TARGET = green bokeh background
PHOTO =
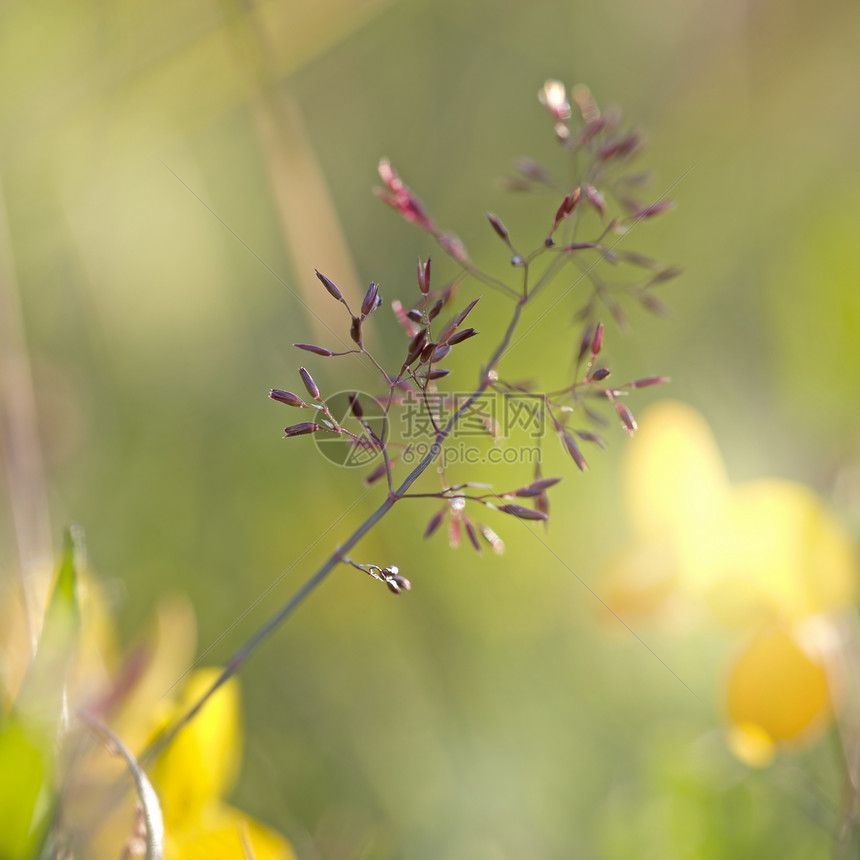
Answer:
(497, 711)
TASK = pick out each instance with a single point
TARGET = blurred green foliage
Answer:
(495, 711)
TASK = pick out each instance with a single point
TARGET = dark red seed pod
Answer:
(419, 339)
(286, 397)
(438, 373)
(458, 320)
(375, 475)
(600, 374)
(597, 340)
(440, 352)
(316, 350)
(355, 330)
(427, 351)
(434, 311)
(301, 429)
(574, 451)
(460, 336)
(648, 381)
(435, 521)
(329, 285)
(522, 513)
(585, 343)
(309, 383)
(370, 303)
(473, 536)
(397, 583)
(415, 315)
(355, 406)
(536, 487)
(424, 276)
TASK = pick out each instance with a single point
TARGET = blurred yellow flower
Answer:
(77, 669)
(196, 770)
(764, 557)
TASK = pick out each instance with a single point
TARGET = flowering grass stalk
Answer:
(600, 151)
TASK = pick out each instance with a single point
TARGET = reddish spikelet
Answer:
(401, 198)
(372, 300)
(316, 350)
(355, 330)
(454, 247)
(654, 305)
(536, 488)
(437, 373)
(522, 513)
(567, 206)
(377, 474)
(588, 436)
(415, 316)
(309, 383)
(403, 319)
(501, 230)
(427, 352)
(600, 374)
(654, 209)
(330, 286)
(301, 429)
(597, 340)
(585, 343)
(440, 352)
(473, 536)
(648, 381)
(434, 311)
(419, 339)
(396, 583)
(627, 418)
(454, 532)
(456, 322)
(574, 451)
(424, 276)
(287, 397)
(530, 168)
(620, 148)
(460, 336)
(595, 198)
(666, 275)
(436, 521)
(355, 406)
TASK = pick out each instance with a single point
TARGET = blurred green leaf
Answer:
(25, 766)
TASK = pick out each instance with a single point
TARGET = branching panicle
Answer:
(587, 219)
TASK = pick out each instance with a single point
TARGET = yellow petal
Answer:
(777, 693)
(677, 489)
(783, 555)
(227, 834)
(674, 474)
(200, 764)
